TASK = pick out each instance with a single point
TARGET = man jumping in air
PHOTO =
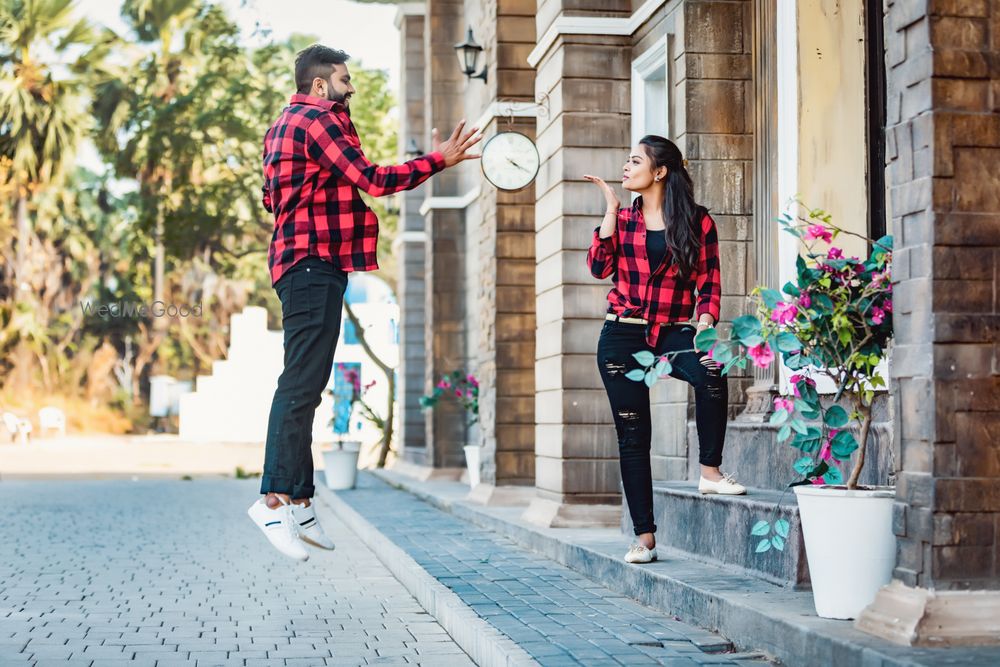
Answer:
(313, 170)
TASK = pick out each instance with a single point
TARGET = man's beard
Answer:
(342, 98)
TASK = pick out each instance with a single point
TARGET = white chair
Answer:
(51, 417)
(19, 429)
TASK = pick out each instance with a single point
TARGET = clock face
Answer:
(510, 160)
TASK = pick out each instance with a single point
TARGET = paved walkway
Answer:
(555, 614)
(170, 572)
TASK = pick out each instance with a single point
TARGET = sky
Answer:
(365, 31)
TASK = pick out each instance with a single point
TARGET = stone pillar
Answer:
(716, 134)
(943, 149)
(506, 234)
(586, 79)
(410, 244)
(444, 268)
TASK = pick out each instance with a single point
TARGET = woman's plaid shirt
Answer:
(661, 296)
(313, 170)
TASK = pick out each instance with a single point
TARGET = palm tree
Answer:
(45, 54)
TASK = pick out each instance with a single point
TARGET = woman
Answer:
(661, 250)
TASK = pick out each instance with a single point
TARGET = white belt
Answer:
(625, 320)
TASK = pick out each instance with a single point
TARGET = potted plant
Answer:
(340, 464)
(465, 389)
(834, 320)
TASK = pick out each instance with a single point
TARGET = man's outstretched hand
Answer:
(455, 149)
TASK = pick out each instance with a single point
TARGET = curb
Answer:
(485, 645)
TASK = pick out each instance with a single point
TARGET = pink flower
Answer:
(817, 232)
(762, 355)
(835, 253)
(887, 306)
(782, 403)
(805, 300)
(458, 392)
(825, 452)
(468, 393)
(877, 315)
(471, 379)
(796, 379)
(784, 313)
(819, 481)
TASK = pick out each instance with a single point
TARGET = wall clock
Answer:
(510, 160)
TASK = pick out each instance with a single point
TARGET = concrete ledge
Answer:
(746, 610)
(677, 506)
(485, 644)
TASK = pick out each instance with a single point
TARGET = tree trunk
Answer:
(859, 463)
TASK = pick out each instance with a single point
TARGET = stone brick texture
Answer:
(943, 150)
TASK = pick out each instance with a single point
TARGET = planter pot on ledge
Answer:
(473, 456)
(340, 466)
(850, 545)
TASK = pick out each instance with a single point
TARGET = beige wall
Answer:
(832, 143)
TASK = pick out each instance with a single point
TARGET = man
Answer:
(313, 170)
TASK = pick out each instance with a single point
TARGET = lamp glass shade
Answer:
(468, 53)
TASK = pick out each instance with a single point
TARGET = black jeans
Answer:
(312, 297)
(630, 405)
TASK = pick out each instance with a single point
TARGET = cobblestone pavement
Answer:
(558, 616)
(171, 572)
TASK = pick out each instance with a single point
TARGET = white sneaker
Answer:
(727, 486)
(308, 527)
(637, 553)
(278, 527)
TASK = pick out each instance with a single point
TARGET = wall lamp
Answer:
(468, 57)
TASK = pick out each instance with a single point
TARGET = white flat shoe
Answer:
(637, 553)
(278, 527)
(727, 486)
(308, 527)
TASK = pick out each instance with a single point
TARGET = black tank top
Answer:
(656, 248)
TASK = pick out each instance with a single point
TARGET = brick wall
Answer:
(943, 148)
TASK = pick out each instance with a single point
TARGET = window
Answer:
(650, 91)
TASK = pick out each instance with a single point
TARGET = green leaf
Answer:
(663, 367)
(636, 374)
(779, 417)
(705, 339)
(801, 405)
(771, 298)
(644, 357)
(833, 476)
(836, 417)
(791, 289)
(784, 432)
(787, 342)
(794, 361)
(803, 465)
(823, 303)
(798, 426)
(760, 528)
(746, 326)
(650, 378)
(809, 442)
(781, 527)
(722, 352)
(778, 541)
(843, 445)
(763, 545)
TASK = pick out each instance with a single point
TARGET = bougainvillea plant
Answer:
(463, 387)
(834, 319)
(347, 395)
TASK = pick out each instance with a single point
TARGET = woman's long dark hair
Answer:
(680, 212)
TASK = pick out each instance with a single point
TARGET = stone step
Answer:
(754, 455)
(726, 539)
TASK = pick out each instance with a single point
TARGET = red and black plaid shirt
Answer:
(662, 296)
(313, 169)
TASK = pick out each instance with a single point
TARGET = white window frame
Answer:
(643, 66)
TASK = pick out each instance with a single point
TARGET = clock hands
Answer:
(524, 169)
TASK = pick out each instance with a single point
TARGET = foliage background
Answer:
(176, 109)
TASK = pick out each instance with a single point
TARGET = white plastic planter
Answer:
(849, 544)
(340, 466)
(473, 455)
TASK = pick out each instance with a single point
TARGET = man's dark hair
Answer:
(316, 61)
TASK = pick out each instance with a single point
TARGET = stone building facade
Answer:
(885, 114)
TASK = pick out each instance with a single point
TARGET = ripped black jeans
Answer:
(630, 406)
